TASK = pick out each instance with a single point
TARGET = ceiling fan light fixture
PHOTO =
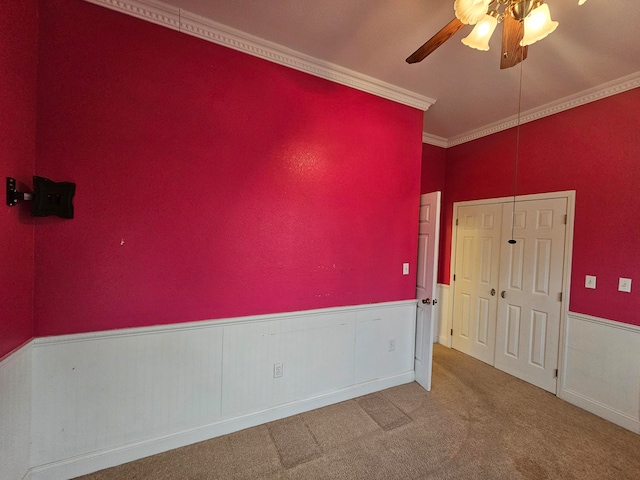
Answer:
(470, 12)
(481, 33)
(538, 25)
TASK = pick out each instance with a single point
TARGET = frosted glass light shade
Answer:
(580, 2)
(538, 25)
(481, 33)
(470, 12)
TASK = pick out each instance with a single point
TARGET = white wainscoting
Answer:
(15, 413)
(105, 398)
(442, 322)
(601, 368)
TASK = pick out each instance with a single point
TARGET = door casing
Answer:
(568, 249)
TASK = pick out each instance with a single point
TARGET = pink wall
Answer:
(432, 177)
(593, 149)
(211, 183)
(18, 37)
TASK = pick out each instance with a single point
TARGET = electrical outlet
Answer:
(624, 285)
(590, 281)
(405, 269)
(392, 344)
(278, 370)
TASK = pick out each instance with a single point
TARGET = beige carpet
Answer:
(476, 423)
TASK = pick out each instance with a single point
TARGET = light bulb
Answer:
(470, 11)
(481, 33)
(537, 25)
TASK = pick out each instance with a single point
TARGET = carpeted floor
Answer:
(476, 423)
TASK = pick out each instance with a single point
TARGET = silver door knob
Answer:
(426, 301)
(503, 294)
(493, 292)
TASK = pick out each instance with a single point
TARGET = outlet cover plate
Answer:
(624, 285)
(590, 281)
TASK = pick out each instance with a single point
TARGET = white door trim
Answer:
(570, 195)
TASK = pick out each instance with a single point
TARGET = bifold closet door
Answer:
(477, 267)
(530, 301)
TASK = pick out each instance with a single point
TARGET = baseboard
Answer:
(601, 410)
(95, 461)
(600, 372)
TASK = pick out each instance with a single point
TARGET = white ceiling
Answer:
(594, 44)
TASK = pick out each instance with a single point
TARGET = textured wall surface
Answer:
(18, 37)
(211, 183)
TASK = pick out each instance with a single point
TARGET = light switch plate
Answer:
(624, 285)
(590, 281)
(405, 269)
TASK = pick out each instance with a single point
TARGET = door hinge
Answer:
(565, 219)
(560, 296)
(555, 373)
(452, 332)
(456, 222)
(454, 277)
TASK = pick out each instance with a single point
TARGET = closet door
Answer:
(529, 307)
(477, 266)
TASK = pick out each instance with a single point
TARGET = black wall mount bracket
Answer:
(49, 198)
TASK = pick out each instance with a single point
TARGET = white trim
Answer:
(434, 140)
(94, 461)
(204, 324)
(607, 323)
(608, 89)
(205, 29)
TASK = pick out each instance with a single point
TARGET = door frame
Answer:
(570, 195)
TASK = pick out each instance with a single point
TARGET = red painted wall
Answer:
(593, 149)
(18, 37)
(432, 177)
(211, 183)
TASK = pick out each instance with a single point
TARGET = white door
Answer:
(529, 307)
(428, 238)
(477, 267)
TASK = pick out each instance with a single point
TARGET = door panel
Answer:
(476, 277)
(528, 317)
(428, 240)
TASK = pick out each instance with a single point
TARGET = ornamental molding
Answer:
(608, 89)
(205, 29)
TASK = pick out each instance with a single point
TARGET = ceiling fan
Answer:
(524, 22)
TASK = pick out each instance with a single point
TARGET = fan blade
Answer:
(434, 42)
(512, 52)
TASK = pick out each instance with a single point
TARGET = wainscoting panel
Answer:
(106, 398)
(385, 343)
(314, 353)
(97, 392)
(15, 413)
(601, 371)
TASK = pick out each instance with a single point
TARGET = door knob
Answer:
(493, 292)
(426, 301)
(503, 294)
(435, 301)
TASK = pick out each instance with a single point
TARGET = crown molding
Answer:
(434, 140)
(608, 89)
(205, 29)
